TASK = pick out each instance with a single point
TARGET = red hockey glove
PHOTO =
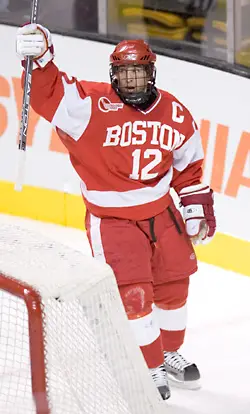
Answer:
(198, 212)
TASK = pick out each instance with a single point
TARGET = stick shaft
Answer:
(25, 107)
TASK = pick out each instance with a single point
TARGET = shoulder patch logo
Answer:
(105, 105)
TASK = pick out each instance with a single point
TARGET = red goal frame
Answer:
(33, 304)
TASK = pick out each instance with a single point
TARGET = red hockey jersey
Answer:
(127, 158)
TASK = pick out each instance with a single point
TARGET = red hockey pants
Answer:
(152, 260)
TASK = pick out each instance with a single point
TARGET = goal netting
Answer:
(65, 342)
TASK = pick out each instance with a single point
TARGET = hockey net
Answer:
(65, 342)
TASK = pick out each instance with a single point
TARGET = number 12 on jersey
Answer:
(144, 173)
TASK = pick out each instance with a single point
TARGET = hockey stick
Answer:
(25, 108)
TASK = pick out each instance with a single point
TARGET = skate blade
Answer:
(185, 385)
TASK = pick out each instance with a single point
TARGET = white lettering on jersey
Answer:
(155, 125)
(126, 136)
(113, 136)
(144, 173)
(136, 133)
(141, 132)
(177, 108)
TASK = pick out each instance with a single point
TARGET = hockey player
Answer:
(130, 142)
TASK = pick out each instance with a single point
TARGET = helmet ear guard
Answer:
(136, 53)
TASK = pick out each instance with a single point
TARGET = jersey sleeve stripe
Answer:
(73, 113)
(190, 152)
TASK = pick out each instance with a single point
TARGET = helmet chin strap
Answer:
(135, 98)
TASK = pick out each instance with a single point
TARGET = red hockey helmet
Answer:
(130, 52)
(133, 53)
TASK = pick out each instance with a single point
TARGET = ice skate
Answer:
(181, 373)
(160, 379)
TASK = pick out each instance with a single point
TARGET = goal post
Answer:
(65, 343)
(33, 303)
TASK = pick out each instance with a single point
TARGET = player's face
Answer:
(132, 78)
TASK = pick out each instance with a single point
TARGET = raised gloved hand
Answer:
(198, 212)
(35, 40)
